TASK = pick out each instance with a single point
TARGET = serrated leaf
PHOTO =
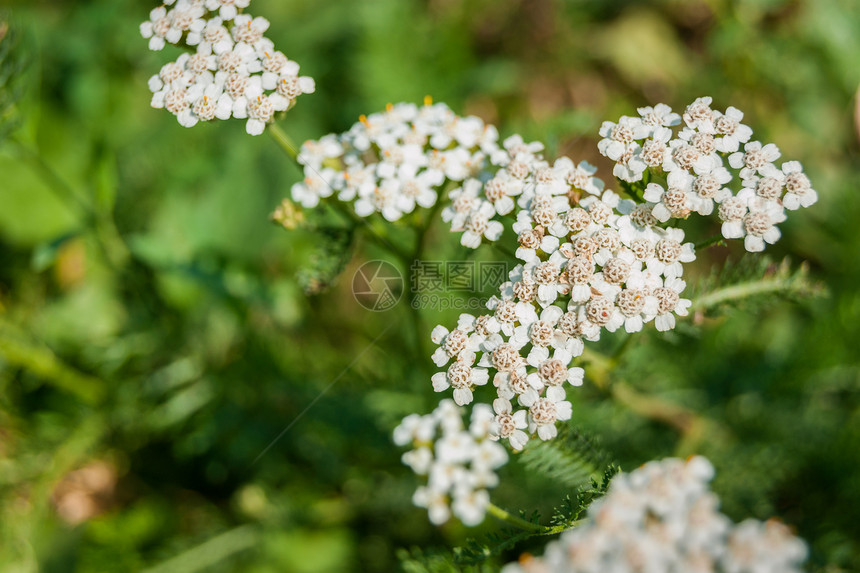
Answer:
(754, 280)
(571, 459)
(15, 62)
(417, 560)
(333, 253)
(571, 510)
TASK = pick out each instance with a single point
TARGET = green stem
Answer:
(622, 348)
(290, 148)
(711, 241)
(107, 236)
(212, 552)
(18, 349)
(683, 419)
(377, 237)
(54, 182)
(503, 515)
(739, 291)
(535, 528)
(418, 326)
(285, 141)
(421, 239)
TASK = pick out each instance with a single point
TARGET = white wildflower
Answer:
(227, 9)
(799, 191)
(752, 218)
(754, 158)
(662, 517)
(253, 81)
(460, 464)
(733, 132)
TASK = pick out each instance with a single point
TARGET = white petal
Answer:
(753, 244)
(462, 396)
(438, 334)
(440, 381)
(255, 127)
(547, 432)
(555, 393)
(440, 357)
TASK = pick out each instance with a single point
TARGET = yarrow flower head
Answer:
(232, 70)
(397, 160)
(523, 180)
(710, 164)
(663, 517)
(458, 462)
(590, 261)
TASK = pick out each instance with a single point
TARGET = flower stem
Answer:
(100, 223)
(290, 148)
(285, 141)
(742, 290)
(54, 182)
(421, 238)
(19, 349)
(534, 528)
(418, 326)
(710, 242)
(691, 425)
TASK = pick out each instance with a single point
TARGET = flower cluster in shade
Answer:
(589, 262)
(459, 462)
(705, 160)
(230, 70)
(663, 517)
(394, 161)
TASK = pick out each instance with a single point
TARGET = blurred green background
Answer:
(157, 332)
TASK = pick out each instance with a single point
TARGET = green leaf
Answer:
(755, 280)
(333, 253)
(571, 459)
(18, 349)
(105, 183)
(418, 560)
(566, 516)
(15, 62)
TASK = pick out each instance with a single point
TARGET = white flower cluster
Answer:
(663, 517)
(234, 70)
(588, 263)
(521, 174)
(392, 161)
(459, 464)
(686, 172)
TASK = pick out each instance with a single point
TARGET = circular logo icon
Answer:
(377, 285)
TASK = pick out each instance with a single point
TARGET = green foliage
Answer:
(563, 517)
(572, 509)
(15, 60)
(152, 322)
(332, 253)
(752, 282)
(571, 459)
(417, 560)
